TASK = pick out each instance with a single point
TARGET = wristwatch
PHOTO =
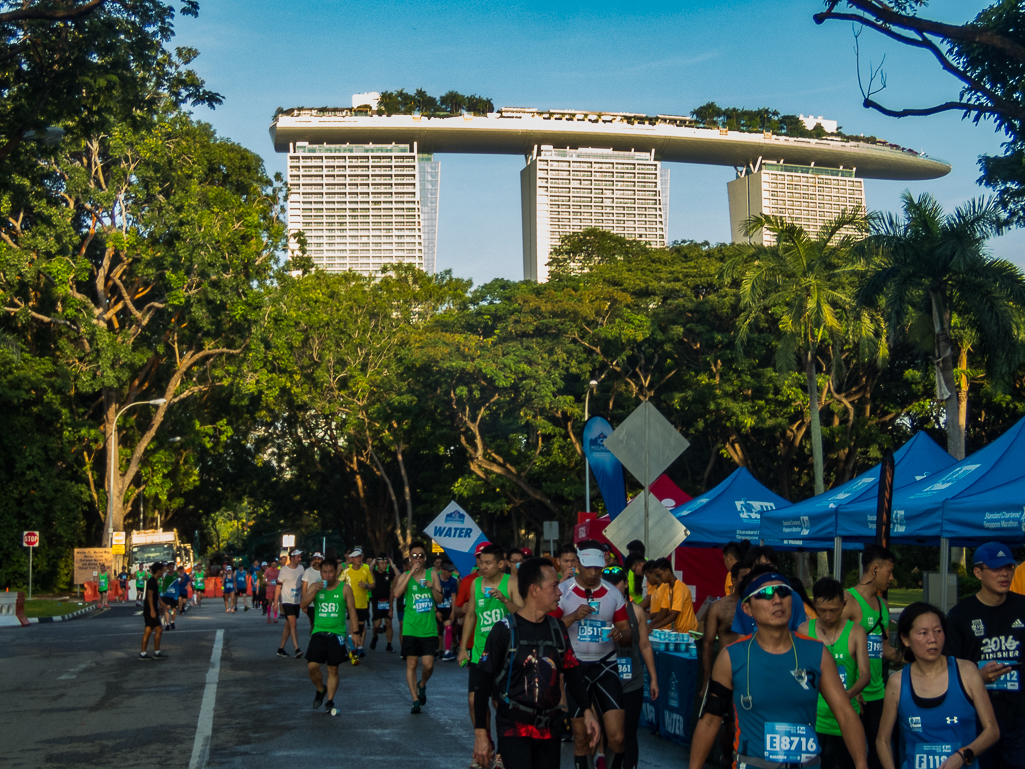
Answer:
(967, 755)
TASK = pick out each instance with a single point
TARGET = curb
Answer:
(63, 617)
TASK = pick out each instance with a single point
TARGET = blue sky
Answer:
(638, 56)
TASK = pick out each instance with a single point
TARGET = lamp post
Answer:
(587, 465)
(109, 534)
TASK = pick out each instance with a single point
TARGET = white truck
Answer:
(151, 545)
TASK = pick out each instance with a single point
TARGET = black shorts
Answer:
(529, 753)
(290, 610)
(445, 612)
(380, 613)
(412, 646)
(168, 601)
(327, 648)
(103, 592)
(363, 615)
(603, 685)
(152, 621)
(471, 684)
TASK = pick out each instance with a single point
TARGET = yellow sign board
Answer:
(88, 561)
(118, 549)
(119, 539)
(436, 548)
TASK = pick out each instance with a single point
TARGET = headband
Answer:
(758, 582)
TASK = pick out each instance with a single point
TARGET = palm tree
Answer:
(928, 265)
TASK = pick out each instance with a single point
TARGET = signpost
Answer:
(88, 561)
(30, 539)
(551, 533)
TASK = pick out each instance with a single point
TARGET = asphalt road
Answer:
(77, 696)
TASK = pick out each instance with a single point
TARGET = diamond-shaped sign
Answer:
(646, 432)
(665, 532)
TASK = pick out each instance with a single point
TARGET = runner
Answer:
(199, 585)
(516, 557)
(183, 589)
(449, 588)
(589, 607)
(151, 614)
(228, 588)
(865, 607)
(732, 553)
(288, 597)
(271, 575)
(678, 612)
(848, 644)
(635, 584)
(939, 701)
(421, 589)
(380, 596)
(240, 586)
(763, 555)
(495, 595)
(169, 597)
(568, 563)
(633, 659)
(312, 574)
(140, 584)
(361, 580)
(772, 680)
(103, 584)
(525, 657)
(465, 593)
(122, 584)
(332, 602)
(988, 629)
(261, 588)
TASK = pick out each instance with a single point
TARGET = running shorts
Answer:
(290, 610)
(412, 646)
(603, 684)
(363, 615)
(151, 621)
(381, 613)
(327, 648)
(169, 601)
(446, 613)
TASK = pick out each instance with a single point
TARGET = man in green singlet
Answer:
(199, 584)
(103, 581)
(495, 594)
(333, 604)
(848, 643)
(420, 587)
(866, 607)
(140, 584)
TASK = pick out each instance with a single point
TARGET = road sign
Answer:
(551, 530)
(117, 549)
(119, 539)
(646, 443)
(288, 540)
(665, 531)
(436, 549)
(30, 538)
(88, 561)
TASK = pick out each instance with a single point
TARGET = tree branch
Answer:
(36, 13)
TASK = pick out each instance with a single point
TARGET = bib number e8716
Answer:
(788, 743)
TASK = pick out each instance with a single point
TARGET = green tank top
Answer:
(635, 586)
(875, 624)
(418, 620)
(200, 578)
(489, 611)
(847, 667)
(330, 611)
(103, 582)
(140, 580)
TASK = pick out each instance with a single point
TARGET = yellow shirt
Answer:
(659, 599)
(729, 584)
(360, 595)
(683, 602)
(1018, 580)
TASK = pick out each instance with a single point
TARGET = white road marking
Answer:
(204, 729)
(73, 673)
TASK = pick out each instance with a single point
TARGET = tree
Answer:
(933, 267)
(985, 57)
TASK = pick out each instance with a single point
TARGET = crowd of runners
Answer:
(557, 649)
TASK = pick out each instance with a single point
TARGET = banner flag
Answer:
(459, 535)
(608, 470)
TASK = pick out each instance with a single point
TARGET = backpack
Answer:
(516, 711)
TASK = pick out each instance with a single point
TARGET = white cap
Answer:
(592, 558)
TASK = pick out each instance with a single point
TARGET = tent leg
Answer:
(944, 567)
(838, 559)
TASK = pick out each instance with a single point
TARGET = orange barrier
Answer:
(212, 588)
(92, 591)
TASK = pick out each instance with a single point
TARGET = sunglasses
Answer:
(769, 592)
(418, 555)
(611, 570)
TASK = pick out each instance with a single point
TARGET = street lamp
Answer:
(587, 465)
(109, 534)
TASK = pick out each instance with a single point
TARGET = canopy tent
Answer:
(815, 518)
(994, 515)
(730, 511)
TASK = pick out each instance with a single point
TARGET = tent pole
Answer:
(838, 558)
(861, 566)
(944, 565)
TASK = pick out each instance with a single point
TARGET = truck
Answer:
(149, 545)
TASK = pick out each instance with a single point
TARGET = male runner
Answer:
(151, 614)
(169, 597)
(140, 584)
(865, 607)
(199, 584)
(240, 586)
(595, 613)
(495, 594)
(848, 644)
(271, 575)
(332, 602)
(988, 629)
(764, 555)
(312, 574)
(361, 580)
(261, 588)
(422, 590)
(183, 589)
(449, 588)
(516, 557)
(381, 600)
(678, 611)
(103, 583)
(568, 563)
(525, 657)
(122, 583)
(288, 596)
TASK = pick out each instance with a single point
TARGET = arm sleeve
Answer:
(490, 662)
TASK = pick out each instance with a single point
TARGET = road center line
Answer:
(204, 729)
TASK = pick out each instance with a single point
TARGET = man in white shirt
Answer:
(312, 574)
(288, 595)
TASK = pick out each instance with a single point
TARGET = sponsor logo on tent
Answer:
(751, 510)
(948, 480)
(900, 524)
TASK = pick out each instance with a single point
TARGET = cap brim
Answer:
(592, 559)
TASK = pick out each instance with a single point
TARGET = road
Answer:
(77, 696)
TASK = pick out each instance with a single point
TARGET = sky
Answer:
(636, 56)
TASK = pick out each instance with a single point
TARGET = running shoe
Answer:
(159, 655)
(282, 652)
(415, 708)
(172, 626)
(388, 648)
(373, 642)
(243, 610)
(448, 656)
(298, 654)
(361, 653)
(319, 699)
(353, 658)
(421, 692)
(330, 708)
(144, 656)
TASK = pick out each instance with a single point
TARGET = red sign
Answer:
(30, 538)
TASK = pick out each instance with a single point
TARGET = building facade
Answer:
(363, 206)
(568, 190)
(806, 195)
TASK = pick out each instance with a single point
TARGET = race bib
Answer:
(1007, 682)
(383, 605)
(790, 743)
(932, 756)
(626, 669)
(592, 631)
(843, 676)
(423, 604)
(296, 594)
(446, 604)
(875, 647)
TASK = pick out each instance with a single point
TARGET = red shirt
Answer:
(464, 594)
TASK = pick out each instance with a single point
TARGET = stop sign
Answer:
(30, 538)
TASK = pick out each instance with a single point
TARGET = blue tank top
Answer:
(228, 583)
(931, 734)
(777, 723)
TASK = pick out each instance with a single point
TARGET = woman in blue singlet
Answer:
(936, 700)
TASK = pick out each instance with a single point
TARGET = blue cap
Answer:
(993, 555)
(763, 579)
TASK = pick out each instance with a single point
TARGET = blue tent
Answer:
(815, 519)
(732, 510)
(995, 515)
(918, 509)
